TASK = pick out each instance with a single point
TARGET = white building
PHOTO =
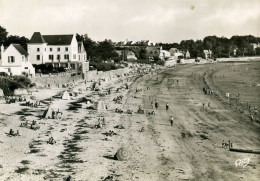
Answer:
(58, 50)
(164, 54)
(14, 61)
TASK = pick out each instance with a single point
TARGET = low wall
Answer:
(55, 80)
(239, 59)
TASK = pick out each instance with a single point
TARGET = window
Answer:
(66, 49)
(25, 67)
(50, 49)
(11, 59)
(74, 56)
(50, 57)
(38, 49)
(79, 57)
(58, 49)
(66, 57)
(38, 57)
(58, 57)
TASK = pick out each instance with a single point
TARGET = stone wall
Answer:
(55, 81)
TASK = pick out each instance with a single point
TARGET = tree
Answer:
(143, 53)
(3, 35)
(106, 50)
(18, 40)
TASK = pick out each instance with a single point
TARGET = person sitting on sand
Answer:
(51, 140)
(171, 121)
(11, 132)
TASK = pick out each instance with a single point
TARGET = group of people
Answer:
(9, 100)
(31, 104)
(156, 105)
(12, 133)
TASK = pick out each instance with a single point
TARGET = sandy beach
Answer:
(191, 149)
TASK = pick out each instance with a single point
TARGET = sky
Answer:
(165, 21)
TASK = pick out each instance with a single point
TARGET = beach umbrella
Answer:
(122, 154)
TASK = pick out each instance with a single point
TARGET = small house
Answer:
(14, 61)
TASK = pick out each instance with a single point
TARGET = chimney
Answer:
(2, 51)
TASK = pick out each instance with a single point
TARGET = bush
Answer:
(61, 69)
(103, 66)
(8, 85)
(160, 62)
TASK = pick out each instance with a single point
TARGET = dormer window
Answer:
(50, 49)
(38, 49)
(66, 49)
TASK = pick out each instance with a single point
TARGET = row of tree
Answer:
(220, 46)
(98, 51)
(105, 51)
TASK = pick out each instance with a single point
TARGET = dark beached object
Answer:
(122, 154)
(244, 151)
(33, 97)
(119, 127)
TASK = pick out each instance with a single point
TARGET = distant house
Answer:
(164, 54)
(173, 51)
(185, 53)
(14, 61)
(153, 51)
(207, 54)
(130, 55)
(57, 50)
(255, 45)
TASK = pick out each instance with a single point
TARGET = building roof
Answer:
(58, 39)
(20, 49)
(37, 38)
(51, 39)
(153, 51)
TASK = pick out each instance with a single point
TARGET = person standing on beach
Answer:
(171, 120)
(167, 107)
(156, 105)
